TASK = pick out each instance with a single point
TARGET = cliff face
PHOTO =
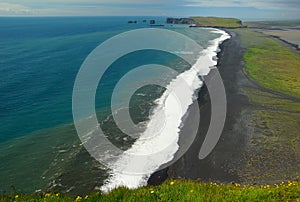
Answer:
(217, 22)
(180, 21)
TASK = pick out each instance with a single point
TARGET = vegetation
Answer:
(217, 22)
(273, 66)
(273, 152)
(181, 191)
(271, 101)
(273, 23)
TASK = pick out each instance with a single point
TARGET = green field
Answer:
(272, 65)
(181, 191)
(217, 22)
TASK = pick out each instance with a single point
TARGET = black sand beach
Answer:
(249, 150)
(219, 166)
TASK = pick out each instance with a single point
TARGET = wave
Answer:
(166, 138)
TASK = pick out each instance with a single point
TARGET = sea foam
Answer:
(166, 138)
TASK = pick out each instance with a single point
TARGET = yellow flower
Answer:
(78, 198)
(57, 194)
(16, 196)
(47, 195)
(171, 183)
(191, 190)
(151, 191)
(86, 197)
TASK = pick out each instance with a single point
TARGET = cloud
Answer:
(96, 11)
(146, 7)
(10, 9)
(14, 9)
(87, 2)
(261, 4)
(83, 7)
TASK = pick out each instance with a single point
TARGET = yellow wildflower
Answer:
(86, 197)
(78, 198)
(151, 191)
(57, 194)
(171, 183)
(191, 190)
(47, 195)
(16, 196)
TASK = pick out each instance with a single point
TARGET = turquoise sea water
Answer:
(39, 61)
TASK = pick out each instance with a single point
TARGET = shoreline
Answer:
(240, 156)
(219, 165)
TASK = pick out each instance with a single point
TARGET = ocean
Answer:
(39, 60)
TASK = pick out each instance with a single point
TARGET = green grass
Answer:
(273, 150)
(270, 64)
(274, 23)
(217, 22)
(271, 101)
(181, 191)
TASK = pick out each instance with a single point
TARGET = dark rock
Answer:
(152, 22)
(180, 21)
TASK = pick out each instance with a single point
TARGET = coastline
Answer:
(259, 145)
(247, 152)
(219, 165)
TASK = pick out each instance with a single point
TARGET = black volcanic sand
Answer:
(221, 164)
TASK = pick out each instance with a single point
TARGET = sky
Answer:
(243, 9)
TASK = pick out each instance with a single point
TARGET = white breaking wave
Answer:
(154, 138)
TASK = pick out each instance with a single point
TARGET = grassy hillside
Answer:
(217, 22)
(182, 191)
